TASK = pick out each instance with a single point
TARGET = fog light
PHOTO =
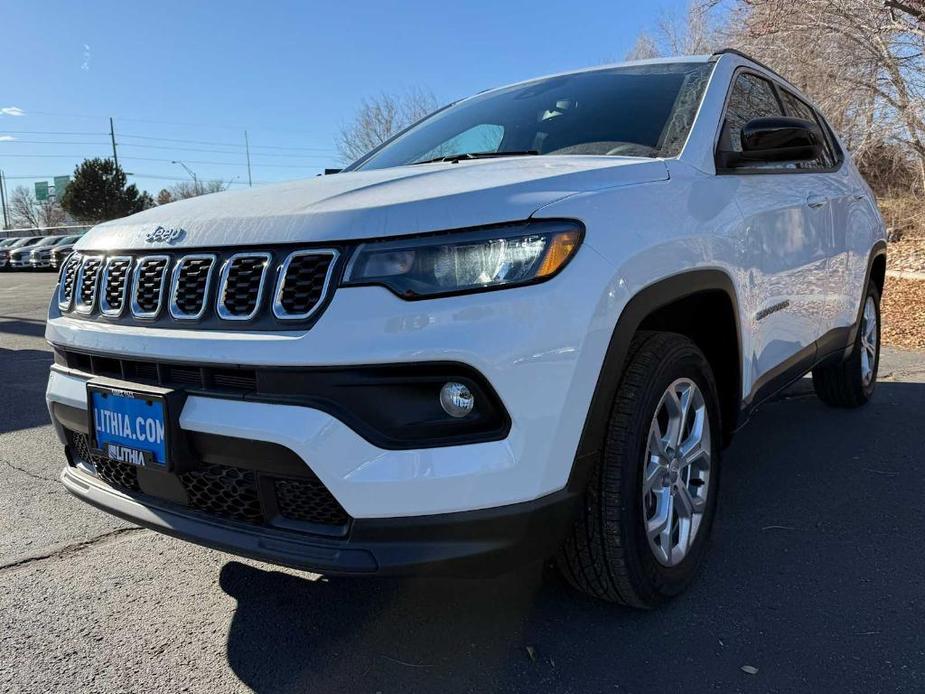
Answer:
(456, 399)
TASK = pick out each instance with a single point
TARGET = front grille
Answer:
(303, 283)
(87, 282)
(242, 285)
(228, 492)
(270, 289)
(190, 286)
(309, 501)
(115, 283)
(68, 280)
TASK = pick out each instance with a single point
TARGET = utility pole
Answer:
(112, 135)
(247, 149)
(6, 220)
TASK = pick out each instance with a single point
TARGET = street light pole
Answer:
(112, 135)
(191, 173)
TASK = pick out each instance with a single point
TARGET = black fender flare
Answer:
(646, 301)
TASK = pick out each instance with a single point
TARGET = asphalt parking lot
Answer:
(815, 577)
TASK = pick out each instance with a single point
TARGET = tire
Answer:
(608, 553)
(851, 382)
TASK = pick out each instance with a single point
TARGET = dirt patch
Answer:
(907, 255)
(903, 309)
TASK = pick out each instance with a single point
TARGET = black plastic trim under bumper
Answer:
(466, 544)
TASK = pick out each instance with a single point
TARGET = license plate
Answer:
(128, 426)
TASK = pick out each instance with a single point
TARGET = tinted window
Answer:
(640, 110)
(752, 97)
(799, 109)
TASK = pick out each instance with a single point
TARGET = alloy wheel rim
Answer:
(676, 477)
(869, 340)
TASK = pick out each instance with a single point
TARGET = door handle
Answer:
(815, 201)
(859, 196)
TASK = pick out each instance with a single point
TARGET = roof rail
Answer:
(734, 51)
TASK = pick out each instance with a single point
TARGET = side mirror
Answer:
(777, 139)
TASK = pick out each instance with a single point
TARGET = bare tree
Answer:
(24, 208)
(193, 189)
(380, 117)
(644, 48)
(27, 212)
(691, 33)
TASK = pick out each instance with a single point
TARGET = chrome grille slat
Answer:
(148, 282)
(115, 281)
(303, 283)
(241, 287)
(67, 280)
(190, 284)
(88, 277)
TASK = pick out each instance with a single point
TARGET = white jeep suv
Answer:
(524, 327)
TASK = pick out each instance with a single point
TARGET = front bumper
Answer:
(472, 544)
(40, 263)
(20, 262)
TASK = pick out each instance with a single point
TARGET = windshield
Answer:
(636, 111)
(27, 242)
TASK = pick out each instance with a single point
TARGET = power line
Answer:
(225, 144)
(169, 161)
(169, 148)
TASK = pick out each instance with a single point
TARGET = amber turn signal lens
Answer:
(560, 249)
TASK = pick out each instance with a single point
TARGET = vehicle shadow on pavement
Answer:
(27, 328)
(814, 578)
(23, 374)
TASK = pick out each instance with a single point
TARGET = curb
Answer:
(905, 275)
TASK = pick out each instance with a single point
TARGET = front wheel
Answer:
(648, 509)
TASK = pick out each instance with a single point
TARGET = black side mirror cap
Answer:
(778, 139)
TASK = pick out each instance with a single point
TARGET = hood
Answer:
(374, 204)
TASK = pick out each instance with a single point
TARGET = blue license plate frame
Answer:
(129, 425)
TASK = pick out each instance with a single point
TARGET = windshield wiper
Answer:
(479, 155)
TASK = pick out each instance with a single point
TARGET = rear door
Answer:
(786, 241)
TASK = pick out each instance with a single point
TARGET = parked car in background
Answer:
(12, 251)
(21, 258)
(40, 257)
(59, 253)
(527, 326)
(5, 245)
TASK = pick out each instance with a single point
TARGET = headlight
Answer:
(459, 262)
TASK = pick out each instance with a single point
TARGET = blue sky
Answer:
(291, 73)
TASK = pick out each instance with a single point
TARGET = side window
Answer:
(752, 97)
(800, 109)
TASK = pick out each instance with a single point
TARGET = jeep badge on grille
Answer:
(164, 234)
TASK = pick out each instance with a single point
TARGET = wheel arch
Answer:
(656, 306)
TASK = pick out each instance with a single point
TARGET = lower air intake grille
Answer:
(228, 492)
(310, 501)
(120, 475)
(123, 475)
